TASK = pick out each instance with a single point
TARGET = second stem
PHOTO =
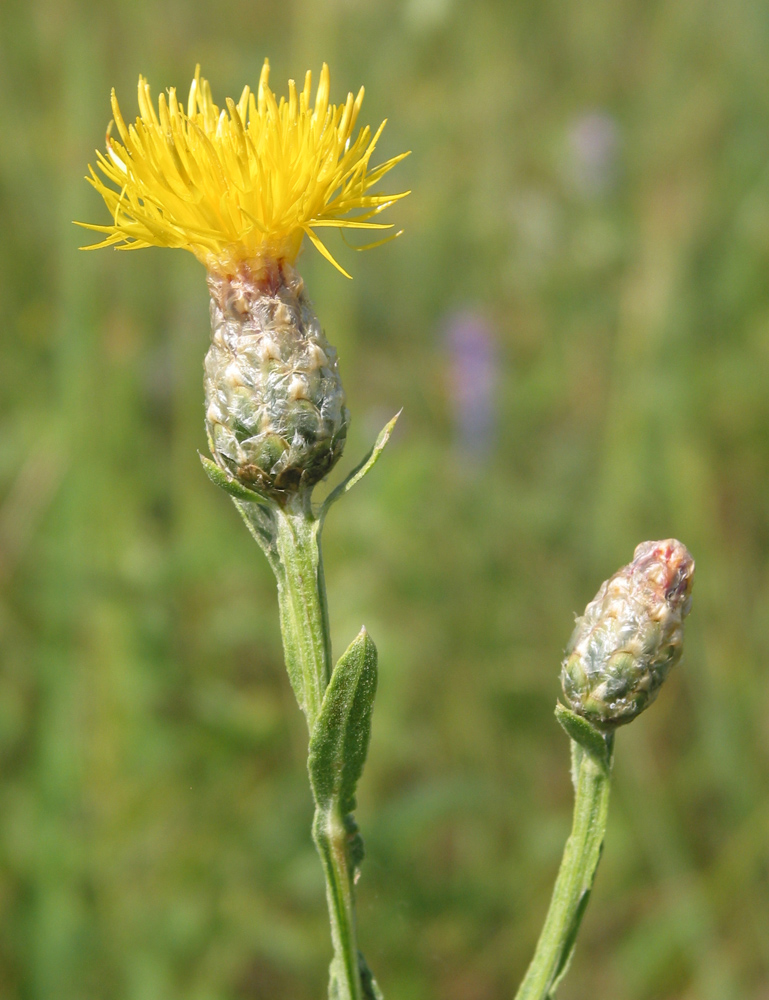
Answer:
(591, 777)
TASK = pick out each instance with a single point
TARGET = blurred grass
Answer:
(154, 814)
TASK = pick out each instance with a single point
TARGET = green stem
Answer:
(591, 777)
(331, 839)
(302, 602)
(298, 565)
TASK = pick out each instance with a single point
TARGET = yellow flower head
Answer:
(241, 185)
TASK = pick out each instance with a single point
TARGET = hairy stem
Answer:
(591, 777)
(330, 836)
(305, 629)
(303, 610)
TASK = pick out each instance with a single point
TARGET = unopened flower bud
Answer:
(630, 635)
(275, 407)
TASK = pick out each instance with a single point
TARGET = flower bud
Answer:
(275, 407)
(630, 636)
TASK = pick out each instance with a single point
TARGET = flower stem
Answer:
(331, 839)
(591, 777)
(298, 565)
(303, 608)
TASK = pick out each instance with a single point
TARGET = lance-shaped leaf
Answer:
(220, 478)
(257, 511)
(363, 467)
(340, 737)
(585, 735)
(370, 986)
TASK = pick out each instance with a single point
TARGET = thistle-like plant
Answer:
(240, 188)
(619, 654)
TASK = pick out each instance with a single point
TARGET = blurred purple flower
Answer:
(594, 142)
(472, 363)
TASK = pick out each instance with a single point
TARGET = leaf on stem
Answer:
(362, 468)
(585, 734)
(259, 515)
(340, 737)
(220, 478)
(369, 985)
(569, 942)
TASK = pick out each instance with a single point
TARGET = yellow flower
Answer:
(241, 185)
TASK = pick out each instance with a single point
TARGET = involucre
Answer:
(630, 636)
(275, 407)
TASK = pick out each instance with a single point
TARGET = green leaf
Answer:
(569, 942)
(363, 467)
(369, 985)
(585, 734)
(220, 478)
(340, 737)
(257, 511)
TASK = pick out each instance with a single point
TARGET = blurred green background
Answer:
(576, 322)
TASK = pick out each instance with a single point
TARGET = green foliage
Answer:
(598, 745)
(338, 747)
(235, 489)
(363, 467)
(340, 738)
